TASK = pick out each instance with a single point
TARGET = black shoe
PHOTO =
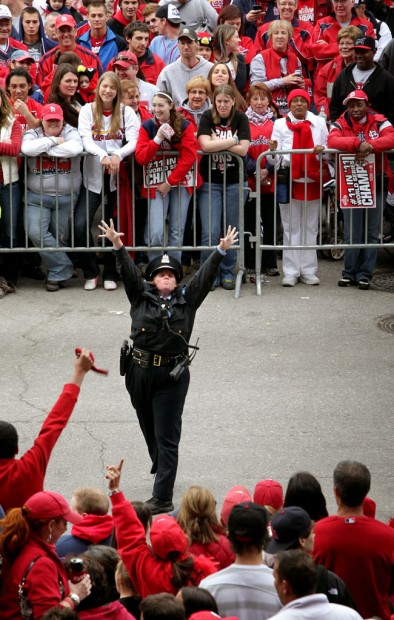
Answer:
(158, 506)
(363, 284)
(272, 271)
(52, 286)
(345, 281)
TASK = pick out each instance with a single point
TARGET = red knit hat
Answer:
(268, 493)
(299, 92)
(167, 536)
(234, 496)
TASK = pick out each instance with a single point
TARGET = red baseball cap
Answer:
(356, 94)
(167, 536)
(49, 505)
(125, 59)
(236, 495)
(268, 493)
(52, 111)
(65, 20)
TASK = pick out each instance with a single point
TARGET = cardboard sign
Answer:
(357, 184)
(158, 171)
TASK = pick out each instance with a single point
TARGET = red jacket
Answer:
(151, 66)
(112, 611)
(377, 131)
(324, 81)
(42, 581)
(148, 573)
(247, 48)
(260, 135)
(88, 59)
(21, 478)
(146, 151)
(326, 30)
(302, 37)
(219, 551)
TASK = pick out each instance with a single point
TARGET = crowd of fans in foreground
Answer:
(118, 78)
(270, 554)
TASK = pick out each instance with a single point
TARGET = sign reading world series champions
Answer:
(357, 184)
(158, 171)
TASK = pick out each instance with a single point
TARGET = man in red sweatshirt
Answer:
(21, 478)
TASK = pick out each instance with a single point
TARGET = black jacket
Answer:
(333, 587)
(148, 330)
(379, 87)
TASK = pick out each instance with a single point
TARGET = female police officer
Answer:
(162, 316)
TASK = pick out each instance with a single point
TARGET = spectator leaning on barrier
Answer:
(174, 77)
(53, 183)
(10, 144)
(20, 478)
(221, 129)
(364, 73)
(363, 132)
(300, 212)
(170, 194)
(109, 132)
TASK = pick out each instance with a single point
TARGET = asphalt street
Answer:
(296, 379)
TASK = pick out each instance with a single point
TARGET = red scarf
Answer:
(303, 166)
(272, 62)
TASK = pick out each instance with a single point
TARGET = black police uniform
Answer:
(157, 398)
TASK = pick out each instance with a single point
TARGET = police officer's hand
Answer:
(229, 239)
(113, 475)
(111, 234)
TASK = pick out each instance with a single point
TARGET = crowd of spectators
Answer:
(268, 553)
(122, 77)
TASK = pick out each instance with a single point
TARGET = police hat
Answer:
(164, 262)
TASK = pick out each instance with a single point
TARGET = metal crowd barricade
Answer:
(329, 214)
(65, 244)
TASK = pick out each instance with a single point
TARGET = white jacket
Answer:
(315, 606)
(100, 144)
(8, 164)
(51, 167)
(284, 137)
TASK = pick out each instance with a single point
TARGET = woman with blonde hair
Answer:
(198, 519)
(226, 43)
(109, 132)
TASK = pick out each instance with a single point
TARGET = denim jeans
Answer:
(359, 263)
(9, 200)
(174, 205)
(9, 203)
(48, 225)
(85, 210)
(212, 228)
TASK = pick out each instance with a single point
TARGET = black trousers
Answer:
(158, 401)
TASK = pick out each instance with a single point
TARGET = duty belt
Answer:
(145, 359)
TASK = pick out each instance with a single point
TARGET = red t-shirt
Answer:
(360, 550)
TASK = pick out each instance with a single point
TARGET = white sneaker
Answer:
(310, 279)
(110, 285)
(289, 281)
(90, 285)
